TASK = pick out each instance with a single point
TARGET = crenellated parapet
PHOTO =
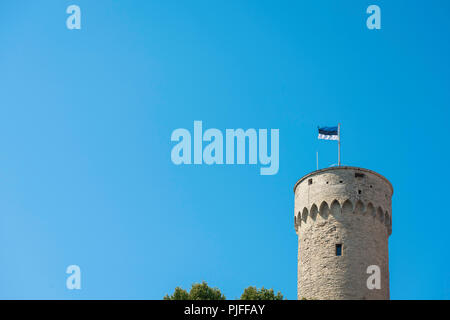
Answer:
(340, 191)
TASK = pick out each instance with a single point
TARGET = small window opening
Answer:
(341, 181)
(327, 182)
(359, 191)
(339, 249)
(310, 181)
(359, 175)
(371, 186)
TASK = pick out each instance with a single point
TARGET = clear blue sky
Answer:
(86, 117)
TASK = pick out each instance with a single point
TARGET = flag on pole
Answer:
(329, 133)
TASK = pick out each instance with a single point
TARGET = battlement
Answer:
(340, 191)
(359, 173)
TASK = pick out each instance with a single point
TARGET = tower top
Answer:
(356, 169)
(343, 219)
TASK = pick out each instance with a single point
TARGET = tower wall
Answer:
(348, 206)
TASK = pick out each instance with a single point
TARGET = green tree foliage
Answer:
(178, 294)
(252, 293)
(199, 291)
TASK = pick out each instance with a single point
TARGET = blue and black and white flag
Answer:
(329, 133)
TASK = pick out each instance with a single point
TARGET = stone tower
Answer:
(343, 220)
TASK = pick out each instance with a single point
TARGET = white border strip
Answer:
(328, 137)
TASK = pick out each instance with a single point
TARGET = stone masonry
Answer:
(350, 208)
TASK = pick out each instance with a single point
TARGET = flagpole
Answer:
(317, 159)
(339, 144)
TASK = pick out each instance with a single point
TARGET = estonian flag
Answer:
(329, 133)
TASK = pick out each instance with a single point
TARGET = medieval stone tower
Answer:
(343, 219)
